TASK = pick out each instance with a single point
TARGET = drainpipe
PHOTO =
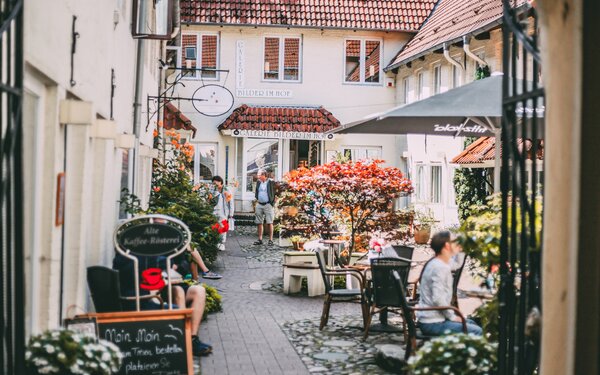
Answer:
(454, 62)
(137, 106)
(467, 48)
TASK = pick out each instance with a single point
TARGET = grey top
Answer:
(436, 290)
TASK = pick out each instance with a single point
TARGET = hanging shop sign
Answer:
(278, 134)
(150, 238)
(264, 93)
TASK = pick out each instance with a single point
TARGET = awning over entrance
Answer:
(175, 120)
(311, 123)
(482, 153)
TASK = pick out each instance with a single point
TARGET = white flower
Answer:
(425, 370)
(446, 369)
(27, 355)
(472, 352)
(447, 355)
(37, 345)
(49, 348)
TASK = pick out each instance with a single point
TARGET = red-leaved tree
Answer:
(358, 195)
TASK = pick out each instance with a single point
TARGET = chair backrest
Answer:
(321, 261)
(407, 314)
(404, 251)
(456, 278)
(105, 289)
(384, 291)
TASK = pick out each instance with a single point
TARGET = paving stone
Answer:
(331, 356)
(340, 343)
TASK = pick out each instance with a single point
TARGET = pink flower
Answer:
(377, 244)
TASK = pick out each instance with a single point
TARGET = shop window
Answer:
(362, 153)
(281, 59)
(362, 61)
(205, 161)
(261, 154)
(200, 51)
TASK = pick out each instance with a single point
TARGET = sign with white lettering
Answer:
(263, 93)
(239, 65)
(278, 134)
(458, 129)
(152, 342)
(150, 239)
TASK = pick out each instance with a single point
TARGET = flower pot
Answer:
(299, 246)
(422, 235)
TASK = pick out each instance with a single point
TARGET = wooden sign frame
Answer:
(152, 315)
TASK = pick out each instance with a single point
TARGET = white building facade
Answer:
(332, 72)
(80, 69)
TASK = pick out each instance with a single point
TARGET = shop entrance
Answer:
(304, 153)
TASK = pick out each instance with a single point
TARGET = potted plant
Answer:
(458, 353)
(298, 242)
(66, 352)
(423, 222)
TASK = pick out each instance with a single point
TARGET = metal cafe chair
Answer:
(341, 295)
(384, 297)
(408, 314)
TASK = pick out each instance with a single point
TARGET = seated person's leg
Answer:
(196, 299)
(438, 329)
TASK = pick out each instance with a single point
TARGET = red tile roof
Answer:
(448, 23)
(297, 119)
(484, 150)
(175, 120)
(391, 15)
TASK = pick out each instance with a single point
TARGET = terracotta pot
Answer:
(422, 235)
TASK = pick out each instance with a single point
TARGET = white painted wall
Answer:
(93, 165)
(321, 84)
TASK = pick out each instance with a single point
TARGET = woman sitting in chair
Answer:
(436, 290)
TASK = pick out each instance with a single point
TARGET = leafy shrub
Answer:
(66, 352)
(213, 300)
(455, 354)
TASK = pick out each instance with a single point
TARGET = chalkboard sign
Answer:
(150, 239)
(152, 342)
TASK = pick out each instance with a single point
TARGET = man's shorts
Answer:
(264, 213)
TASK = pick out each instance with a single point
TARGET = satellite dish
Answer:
(212, 100)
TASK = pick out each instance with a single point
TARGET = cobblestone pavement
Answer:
(262, 331)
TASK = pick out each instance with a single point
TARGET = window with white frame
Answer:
(281, 58)
(405, 89)
(362, 153)
(205, 161)
(455, 76)
(429, 183)
(437, 79)
(421, 186)
(435, 184)
(420, 85)
(200, 51)
(362, 61)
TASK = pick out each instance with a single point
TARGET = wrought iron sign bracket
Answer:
(74, 36)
